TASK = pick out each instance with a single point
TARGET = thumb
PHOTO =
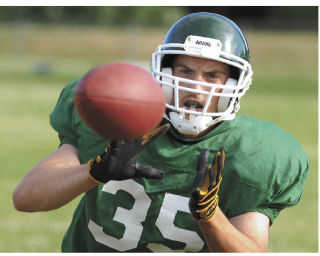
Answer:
(217, 166)
(146, 171)
(154, 134)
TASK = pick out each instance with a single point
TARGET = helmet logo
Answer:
(203, 46)
(204, 43)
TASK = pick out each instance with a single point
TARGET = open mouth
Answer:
(193, 105)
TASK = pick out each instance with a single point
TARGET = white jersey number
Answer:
(132, 220)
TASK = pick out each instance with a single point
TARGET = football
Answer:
(119, 101)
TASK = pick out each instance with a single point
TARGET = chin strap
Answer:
(192, 126)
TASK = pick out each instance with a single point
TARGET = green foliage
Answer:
(97, 15)
(140, 15)
(284, 91)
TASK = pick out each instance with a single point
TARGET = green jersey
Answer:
(265, 171)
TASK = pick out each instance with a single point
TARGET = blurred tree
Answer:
(277, 17)
(94, 15)
(271, 17)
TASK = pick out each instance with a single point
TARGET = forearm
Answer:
(52, 183)
(48, 189)
(222, 236)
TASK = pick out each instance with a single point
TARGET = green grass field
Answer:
(284, 91)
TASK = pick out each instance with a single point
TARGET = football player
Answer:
(205, 180)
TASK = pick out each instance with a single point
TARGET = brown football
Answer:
(119, 101)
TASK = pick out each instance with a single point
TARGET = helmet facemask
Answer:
(229, 96)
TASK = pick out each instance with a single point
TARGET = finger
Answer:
(202, 163)
(200, 183)
(154, 134)
(217, 166)
(221, 161)
(214, 169)
(115, 146)
(146, 171)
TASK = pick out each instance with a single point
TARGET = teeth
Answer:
(192, 104)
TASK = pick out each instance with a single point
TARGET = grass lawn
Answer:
(35, 66)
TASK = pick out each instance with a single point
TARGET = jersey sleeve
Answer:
(63, 115)
(286, 167)
(267, 174)
(287, 184)
(286, 193)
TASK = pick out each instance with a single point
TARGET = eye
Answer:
(212, 76)
(185, 71)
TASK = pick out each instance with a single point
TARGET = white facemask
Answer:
(197, 122)
(229, 97)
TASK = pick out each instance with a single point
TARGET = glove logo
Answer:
(204, 198)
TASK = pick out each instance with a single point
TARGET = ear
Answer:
(223, 102)
(168, 91)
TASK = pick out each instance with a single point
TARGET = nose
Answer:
(198, 77)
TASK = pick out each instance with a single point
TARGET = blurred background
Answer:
(42, 48)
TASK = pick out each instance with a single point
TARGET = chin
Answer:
(206, 131)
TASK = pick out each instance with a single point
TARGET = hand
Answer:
(119, 161)
(204, 197)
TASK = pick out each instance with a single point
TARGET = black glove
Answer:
(204, 197)
(119, 161)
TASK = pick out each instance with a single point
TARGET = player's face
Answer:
(203, 70)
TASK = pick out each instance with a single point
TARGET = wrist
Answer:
(87, 183)
(97, 168)
(97, 182)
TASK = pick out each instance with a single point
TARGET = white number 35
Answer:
(133, 217)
